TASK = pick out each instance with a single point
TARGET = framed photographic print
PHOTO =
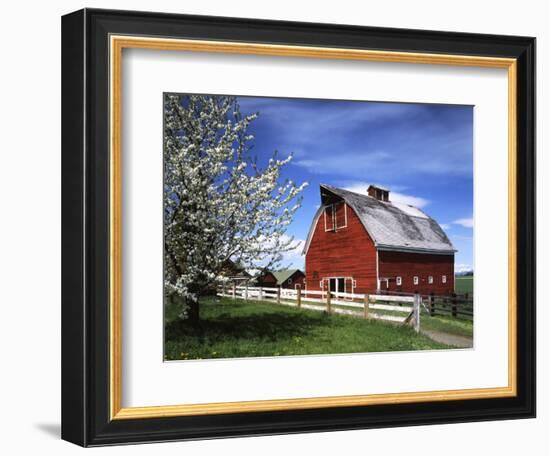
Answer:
(277, 227)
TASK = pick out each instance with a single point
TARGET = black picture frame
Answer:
(85, 227)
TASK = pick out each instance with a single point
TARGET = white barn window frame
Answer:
(443, 279)
(330, 225)
(430, 279)
(399, 281)
(335, 213)
(332, 221)
(416, 281)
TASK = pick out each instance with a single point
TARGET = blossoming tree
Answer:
(219, 203)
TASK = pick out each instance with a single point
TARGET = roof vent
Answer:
(379, 193)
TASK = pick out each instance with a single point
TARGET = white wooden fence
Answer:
(364, 305)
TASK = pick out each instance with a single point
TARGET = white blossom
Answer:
(219, 204)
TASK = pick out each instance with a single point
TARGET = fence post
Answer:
(246, 292)
(260, 294)
(278, 295)
(453, 305)
(417, 301)
(299, 297)
(366, 305)
(234, 290)
(432, 304)
(328, 301)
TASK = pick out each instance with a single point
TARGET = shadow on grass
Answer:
(270, 326)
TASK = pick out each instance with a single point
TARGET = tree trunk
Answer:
(193, 314)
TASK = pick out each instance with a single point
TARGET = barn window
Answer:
(415, 280)
(289, 280)
(340, 215)
(398, 281)
(336, 216)
(430, 279)
(337, 284)
(444, 279)
(329, 217)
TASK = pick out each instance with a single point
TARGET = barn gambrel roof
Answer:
(391, 226)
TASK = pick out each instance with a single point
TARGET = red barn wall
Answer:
(343, 253)
(296, 279)
(267, 280)
(422, 265)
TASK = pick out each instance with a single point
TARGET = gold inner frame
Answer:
(117, 44)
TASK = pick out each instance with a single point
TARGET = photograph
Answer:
(298, 226)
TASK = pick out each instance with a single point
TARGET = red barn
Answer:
(288, 278)
(361, 243)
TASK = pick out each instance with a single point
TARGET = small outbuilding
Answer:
(287, 278)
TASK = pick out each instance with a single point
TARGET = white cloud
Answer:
(462, 267)
(292, 258)
(465, 222)
(415, 201)
(309, 164)
(349, 161)
(396, 197)
(445, 226)
(357, 187)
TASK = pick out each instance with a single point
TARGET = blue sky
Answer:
(422, 152)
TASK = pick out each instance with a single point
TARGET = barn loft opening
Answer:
(380, 193)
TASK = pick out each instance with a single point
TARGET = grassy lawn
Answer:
(449, 325)
(232, 329)
(441, 323)
(464, 285)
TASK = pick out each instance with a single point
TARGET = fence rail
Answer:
(455, 305)
(449, 305)
(369, 306)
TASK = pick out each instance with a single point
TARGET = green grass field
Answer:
(464, 285)
(449, 325)
(235, 329)
(442, 323)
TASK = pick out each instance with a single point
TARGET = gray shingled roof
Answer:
(392, 226)
(282, 276)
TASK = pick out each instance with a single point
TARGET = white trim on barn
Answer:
(331, 216)
(389, 248)
(346, 280)
(335, 212)
(316, 217)
(377, 272)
